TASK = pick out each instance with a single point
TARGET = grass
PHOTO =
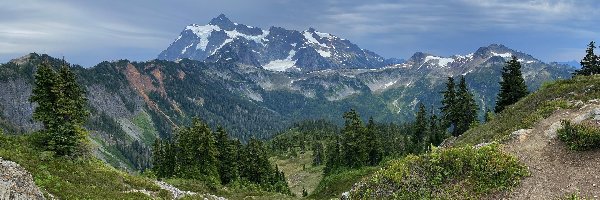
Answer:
(149, 132)
(580, 137)
(333, 185)
(236, 190)
(536, 106)
(75, 178)
(300, 172)
(452, 173)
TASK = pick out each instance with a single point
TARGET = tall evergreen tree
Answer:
(227, 157)
(61, 108)
(449, 102)
(256, 167)
(374, 143)
(197, 152)
(317, 154)
(420, 129)
(436, 133)
(333, 157)
(590, 64)
(466, 107)
(355, 152)
(512, 86)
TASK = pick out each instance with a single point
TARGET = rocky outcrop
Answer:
(16, 183)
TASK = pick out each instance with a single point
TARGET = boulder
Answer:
(16, 183)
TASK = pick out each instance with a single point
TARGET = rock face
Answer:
(16, 183)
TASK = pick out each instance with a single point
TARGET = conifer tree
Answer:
(512, 86)
(374, 143)
(227, 157)
(197, 152)
(333, 156)
(355, 152)
(590, 64)
(466, 107)
(317, 154)
(437, 133)
(256, 167)
(61, 108)
(449, 102)
(420, 129)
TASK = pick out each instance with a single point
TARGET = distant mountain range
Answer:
(255, 83)
(572, 63)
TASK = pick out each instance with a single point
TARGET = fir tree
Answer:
(512, 86)
(197, 152)
(227, 157)
(61, 108)
(333, 156)
(420, 129)
(374, 143)
(317, 154)
(449, 102)
(590, 64)
(355, 151)
(437, 133)
(466, 107)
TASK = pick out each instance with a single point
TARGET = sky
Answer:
(89, 32)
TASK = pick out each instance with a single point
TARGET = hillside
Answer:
(133, 103)
(523, 134)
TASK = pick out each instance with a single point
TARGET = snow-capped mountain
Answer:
(275, 49)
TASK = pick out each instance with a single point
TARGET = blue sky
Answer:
(88, 32)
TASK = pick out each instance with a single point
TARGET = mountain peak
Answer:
(222, 21)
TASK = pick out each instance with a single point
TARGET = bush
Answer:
(453, 173)
(580, 137)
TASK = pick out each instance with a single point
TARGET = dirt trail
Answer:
(555, 170)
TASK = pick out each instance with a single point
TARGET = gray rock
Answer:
(16, 183)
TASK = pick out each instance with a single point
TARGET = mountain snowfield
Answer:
(276, 49)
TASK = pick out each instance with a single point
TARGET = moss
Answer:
(453, 173)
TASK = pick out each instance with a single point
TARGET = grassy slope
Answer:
(297, 176)
(534, 107)
(81, 178)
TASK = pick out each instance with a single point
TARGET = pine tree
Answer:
(256, 167)
(197, 152)
(317, 154)
(158, 154)
(590, 64)
(437, 133)
(354, 142)
(420, 129)
(449, 102)
(61, 108)
(467, 108)
(227, 157)
(333, 156)
(374, 143)
(512, 86)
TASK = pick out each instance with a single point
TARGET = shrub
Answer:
(453, 173)
(580, 137)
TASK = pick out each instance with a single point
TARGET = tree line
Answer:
(196, 152)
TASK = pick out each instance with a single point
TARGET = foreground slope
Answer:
(485, 161)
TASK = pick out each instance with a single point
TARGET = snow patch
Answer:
(441, 61)
(203, 32)
(282, 65)
(309, 37)
(504, 55)
(325, 54)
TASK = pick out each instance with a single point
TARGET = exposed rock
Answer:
(520, 134)
(16, 183)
